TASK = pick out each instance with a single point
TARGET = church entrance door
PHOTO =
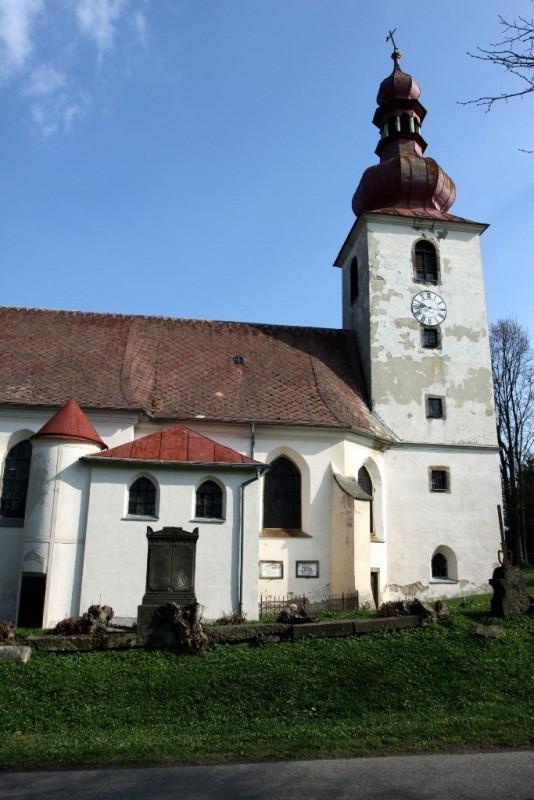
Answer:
(31, 603)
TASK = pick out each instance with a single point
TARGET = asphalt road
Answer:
(476, 776)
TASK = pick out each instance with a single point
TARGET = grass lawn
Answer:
(416, 690)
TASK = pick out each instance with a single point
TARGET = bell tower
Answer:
(413, 286)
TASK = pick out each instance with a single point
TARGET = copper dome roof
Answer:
(404, 178)
(397, 86)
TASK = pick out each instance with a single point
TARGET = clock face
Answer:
(429, 308)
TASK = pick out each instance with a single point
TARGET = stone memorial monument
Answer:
(170, 574)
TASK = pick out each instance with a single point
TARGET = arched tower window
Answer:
(364, 479)
(209, 501)
(440, 567)
(353, 280)
(282, 496)
(15, 481)
(405, 123)
(426, 262)
(142, 498)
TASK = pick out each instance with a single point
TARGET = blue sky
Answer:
(197, 158)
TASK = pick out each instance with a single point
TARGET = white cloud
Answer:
(57, 113)
(98, 19)
(55, 97)
(139, 24)
(17, 19)
(45, 80)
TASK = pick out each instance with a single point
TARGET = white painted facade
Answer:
(77, 530)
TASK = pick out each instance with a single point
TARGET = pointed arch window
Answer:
(365, 482)
(15, 481)
(209, 501)
(142, 498)
(426, 262)
(282, 506)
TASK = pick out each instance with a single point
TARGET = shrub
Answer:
(395, 608)
(95, 618)
(7, 631)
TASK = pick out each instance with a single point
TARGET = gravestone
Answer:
(170, 576)
(510, 596)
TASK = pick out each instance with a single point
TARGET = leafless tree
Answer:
(515, 54)
(513, 381)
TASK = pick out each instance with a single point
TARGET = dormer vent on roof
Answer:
(404, 179)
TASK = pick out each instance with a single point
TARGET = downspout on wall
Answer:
(242, 487)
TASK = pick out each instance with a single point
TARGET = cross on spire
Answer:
(390, 36)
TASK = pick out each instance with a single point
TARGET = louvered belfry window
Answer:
(142, 498)
(426, 262)
(209, 501)
(281, 496)
(15, 481)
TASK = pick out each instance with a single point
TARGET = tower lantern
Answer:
(404, 178)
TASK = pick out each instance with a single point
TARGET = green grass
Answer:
(411, 691)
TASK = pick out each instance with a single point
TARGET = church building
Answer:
(312, 461)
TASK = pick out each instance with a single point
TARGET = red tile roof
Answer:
(70, 423)
(177, 443)
(183, 369)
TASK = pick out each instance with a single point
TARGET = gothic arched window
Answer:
(281, 496)
(440, 568)
(364, 479)
(15, 480)
(426, 262)
(209, 501)
(142, 498)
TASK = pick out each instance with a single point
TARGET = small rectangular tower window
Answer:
(354, 289)
(430, 338)
(439, 479)
(435, 407)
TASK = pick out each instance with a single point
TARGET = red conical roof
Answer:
(70, 423)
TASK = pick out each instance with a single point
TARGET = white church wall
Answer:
(402, 371)
(463, 519)
(114, 570)
(313, 451)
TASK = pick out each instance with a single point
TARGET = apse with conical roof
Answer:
(404, 179)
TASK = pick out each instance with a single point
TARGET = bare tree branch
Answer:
(513, 381)
(515, 54)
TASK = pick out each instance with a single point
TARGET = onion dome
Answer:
(70, 423)
(404, 179)
(397, 86)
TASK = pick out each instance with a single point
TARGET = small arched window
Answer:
(440, 567)
(209, 501)
(281, 496)
(15, 481)
(365, 482)
(405, 123)
(353, 280)
(142, 498)
(426, 262)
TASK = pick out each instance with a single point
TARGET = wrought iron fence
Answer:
(341, 602)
